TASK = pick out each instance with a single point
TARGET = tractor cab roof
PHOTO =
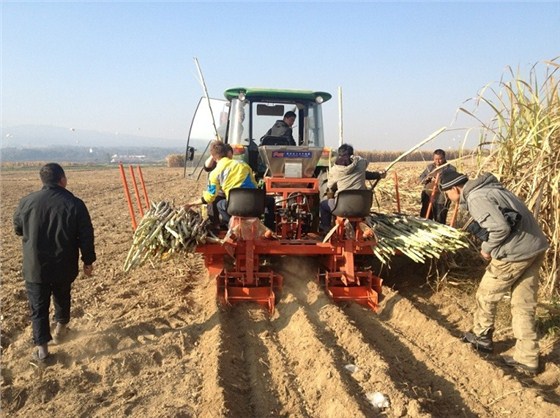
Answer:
(277, 95)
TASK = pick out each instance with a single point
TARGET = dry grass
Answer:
(175, 160)
(522, 146)
(419, 155)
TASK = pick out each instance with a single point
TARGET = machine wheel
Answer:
(277, 296)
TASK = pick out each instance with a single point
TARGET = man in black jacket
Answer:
(283, 128)
(55, 227)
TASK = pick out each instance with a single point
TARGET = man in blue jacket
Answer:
(514, 245)
(55, 227)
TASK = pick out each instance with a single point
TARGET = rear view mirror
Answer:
(270, 110)
(190, 153)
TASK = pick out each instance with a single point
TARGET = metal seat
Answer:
(353, 203)
(247, 203)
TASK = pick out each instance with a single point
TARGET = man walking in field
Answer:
(514, 245)
(55, 227)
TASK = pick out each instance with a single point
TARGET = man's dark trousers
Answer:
(39, 296)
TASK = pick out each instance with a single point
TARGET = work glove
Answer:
(512, 217)
(479, 232)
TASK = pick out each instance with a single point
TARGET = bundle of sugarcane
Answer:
(165, 231)
(417, 238)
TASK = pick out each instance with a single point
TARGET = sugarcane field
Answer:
(273, 315)
(153, 342)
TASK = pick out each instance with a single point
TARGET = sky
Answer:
(404, 68)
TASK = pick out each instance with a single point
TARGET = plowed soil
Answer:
(154, 343)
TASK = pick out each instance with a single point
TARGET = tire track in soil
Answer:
(412, 370)
(234, 360)
(333, 392)
(482, 384)
(412, 355)
(249, 364)
(209, 395)
(328, 392)
(276, 366)
(346, 343)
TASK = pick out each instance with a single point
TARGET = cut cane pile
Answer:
(417, 238)
(165, 231)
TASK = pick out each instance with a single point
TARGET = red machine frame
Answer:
(250, 280)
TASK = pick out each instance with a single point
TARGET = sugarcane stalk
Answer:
(165, 231)
(417, 238)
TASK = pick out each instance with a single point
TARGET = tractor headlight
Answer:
(319, 99)
(241, 96)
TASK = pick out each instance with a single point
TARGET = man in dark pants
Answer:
(440, 205)
(55, 227)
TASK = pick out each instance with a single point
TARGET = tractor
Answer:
(295, 177)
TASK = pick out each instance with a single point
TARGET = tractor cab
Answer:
(244, 120)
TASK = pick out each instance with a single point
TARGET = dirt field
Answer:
(154, 343)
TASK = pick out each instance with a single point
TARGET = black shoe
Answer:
(521, 368)
(480, 342)
(216, 229)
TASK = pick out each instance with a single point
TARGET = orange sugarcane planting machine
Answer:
(292, 170)
(239, 264)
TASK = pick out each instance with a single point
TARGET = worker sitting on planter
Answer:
(229, 174)
(349, 172)
(212, 207)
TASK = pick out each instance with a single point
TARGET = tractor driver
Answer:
(283, 128)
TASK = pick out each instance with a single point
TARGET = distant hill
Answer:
(42, 135)
(42, 143)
